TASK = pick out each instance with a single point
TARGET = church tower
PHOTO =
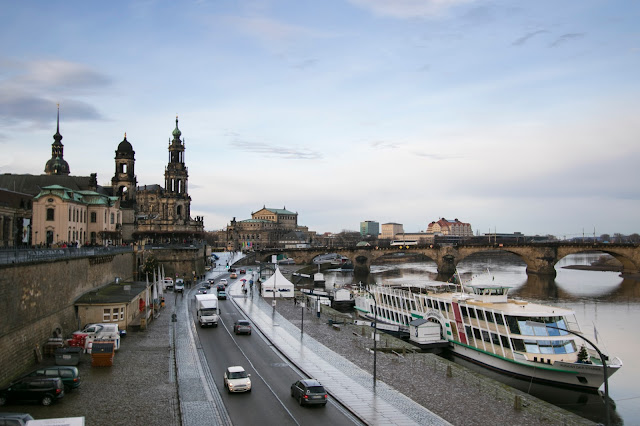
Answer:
(175, 180)
(56, 165)
(124, 181)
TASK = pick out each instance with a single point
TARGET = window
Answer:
(112, 218)
(106, 316)
(121, 314)
(50, 214)
(94, 217)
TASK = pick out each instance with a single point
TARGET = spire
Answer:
(58, 137)
(176, 132)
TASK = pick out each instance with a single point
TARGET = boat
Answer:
(483, 325)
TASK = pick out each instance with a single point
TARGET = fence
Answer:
(23, 255)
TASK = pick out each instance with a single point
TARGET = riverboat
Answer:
(486, 327)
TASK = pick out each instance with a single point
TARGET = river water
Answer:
(605, 304)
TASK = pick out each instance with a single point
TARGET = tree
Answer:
(634, 238)
(583, 355)
(150, 265)
(605, 237)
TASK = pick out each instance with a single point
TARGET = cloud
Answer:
(276, 151)
(565, 38)
(522, 40)
(403, 9)
(384, 145)
(31, 90)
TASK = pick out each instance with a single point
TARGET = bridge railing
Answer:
(23, 255)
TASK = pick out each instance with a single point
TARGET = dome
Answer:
(176, 132)
(125, 146)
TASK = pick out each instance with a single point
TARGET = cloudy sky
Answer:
(510, 115)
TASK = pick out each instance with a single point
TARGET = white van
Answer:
(179, 287)
(168, 283)
(100, 331)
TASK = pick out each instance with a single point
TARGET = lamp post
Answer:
(375, 334)
(602, 358)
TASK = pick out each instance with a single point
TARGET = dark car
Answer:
(232, 269)
(70, 375)
(242, 271)
(220, 287)
(42, 389)
(242, 327)
(202, 290)
(14, 419)
(309, 391)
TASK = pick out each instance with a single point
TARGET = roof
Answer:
(33, 184)
(279, 211)
(235, 369)
(112, 293)
(418, 322)
(81, 196)
(277, 279)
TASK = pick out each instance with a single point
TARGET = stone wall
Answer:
(36, 299)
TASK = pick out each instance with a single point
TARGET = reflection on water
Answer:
(605, 304)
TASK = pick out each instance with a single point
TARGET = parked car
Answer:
(69, 374)
(14, 419)
(202, 290)
(46, 390)
(242, 271)
(309, 391)
(236, 379)
(233, 275)
(242, 327)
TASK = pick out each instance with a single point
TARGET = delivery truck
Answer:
(207, 309)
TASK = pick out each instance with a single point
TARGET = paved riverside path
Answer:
(345, 381)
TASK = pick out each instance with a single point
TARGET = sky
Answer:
(513, 116)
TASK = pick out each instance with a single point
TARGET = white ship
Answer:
(484, 326)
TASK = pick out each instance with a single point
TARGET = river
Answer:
(604, 303)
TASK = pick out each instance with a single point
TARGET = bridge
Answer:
(540, 258)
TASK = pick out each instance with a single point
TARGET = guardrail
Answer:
(22, 255)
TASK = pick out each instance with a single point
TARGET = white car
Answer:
(236, 379)
(223, 281)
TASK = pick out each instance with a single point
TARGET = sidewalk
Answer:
(345, 381)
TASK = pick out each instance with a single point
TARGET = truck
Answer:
(207, 309)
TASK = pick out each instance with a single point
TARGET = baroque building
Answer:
(149, 213)
(268, 228)
(450, 227)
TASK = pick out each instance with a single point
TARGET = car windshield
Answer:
(315, 389)
(238, 375)
(243, 322)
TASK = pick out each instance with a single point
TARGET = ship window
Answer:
(476, 333)
(472, 313)
(545, 347)
(413, 304)
(559, 349)
(518, 344)
(570, 347)
(525, 329)
(448, 305)
(499, 319)
(485, 336)
(464, 311)
(531, 346)
(504, 340)
(467, 328)
(429, 303)
(495, 339)
(480, 315)
(489, 316)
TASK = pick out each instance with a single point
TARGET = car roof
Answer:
(311, 382)
(235, 369)
(243, 322)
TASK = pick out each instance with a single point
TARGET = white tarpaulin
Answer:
(277, 286)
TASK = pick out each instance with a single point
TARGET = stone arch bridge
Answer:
(540, 258)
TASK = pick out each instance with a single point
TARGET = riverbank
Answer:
(453, 392)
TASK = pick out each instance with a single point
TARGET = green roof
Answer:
(280, 211)
(78, 196)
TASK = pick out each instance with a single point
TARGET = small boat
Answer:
(486, 327)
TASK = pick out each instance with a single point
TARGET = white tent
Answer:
(283, 287)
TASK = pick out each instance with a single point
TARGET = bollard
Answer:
(449, 372)
(517, 403)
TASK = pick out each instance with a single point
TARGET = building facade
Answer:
(390, 230)
(450, 227)
(15, 218)
(369, 227)
(267, 228)
(64, 217)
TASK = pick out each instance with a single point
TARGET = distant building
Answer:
(450, 227)
(390, 230)
(268, 228)
(369, 227)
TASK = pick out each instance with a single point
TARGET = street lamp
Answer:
(375, 334)
(600, 354)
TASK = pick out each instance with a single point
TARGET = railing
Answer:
(22, 255)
